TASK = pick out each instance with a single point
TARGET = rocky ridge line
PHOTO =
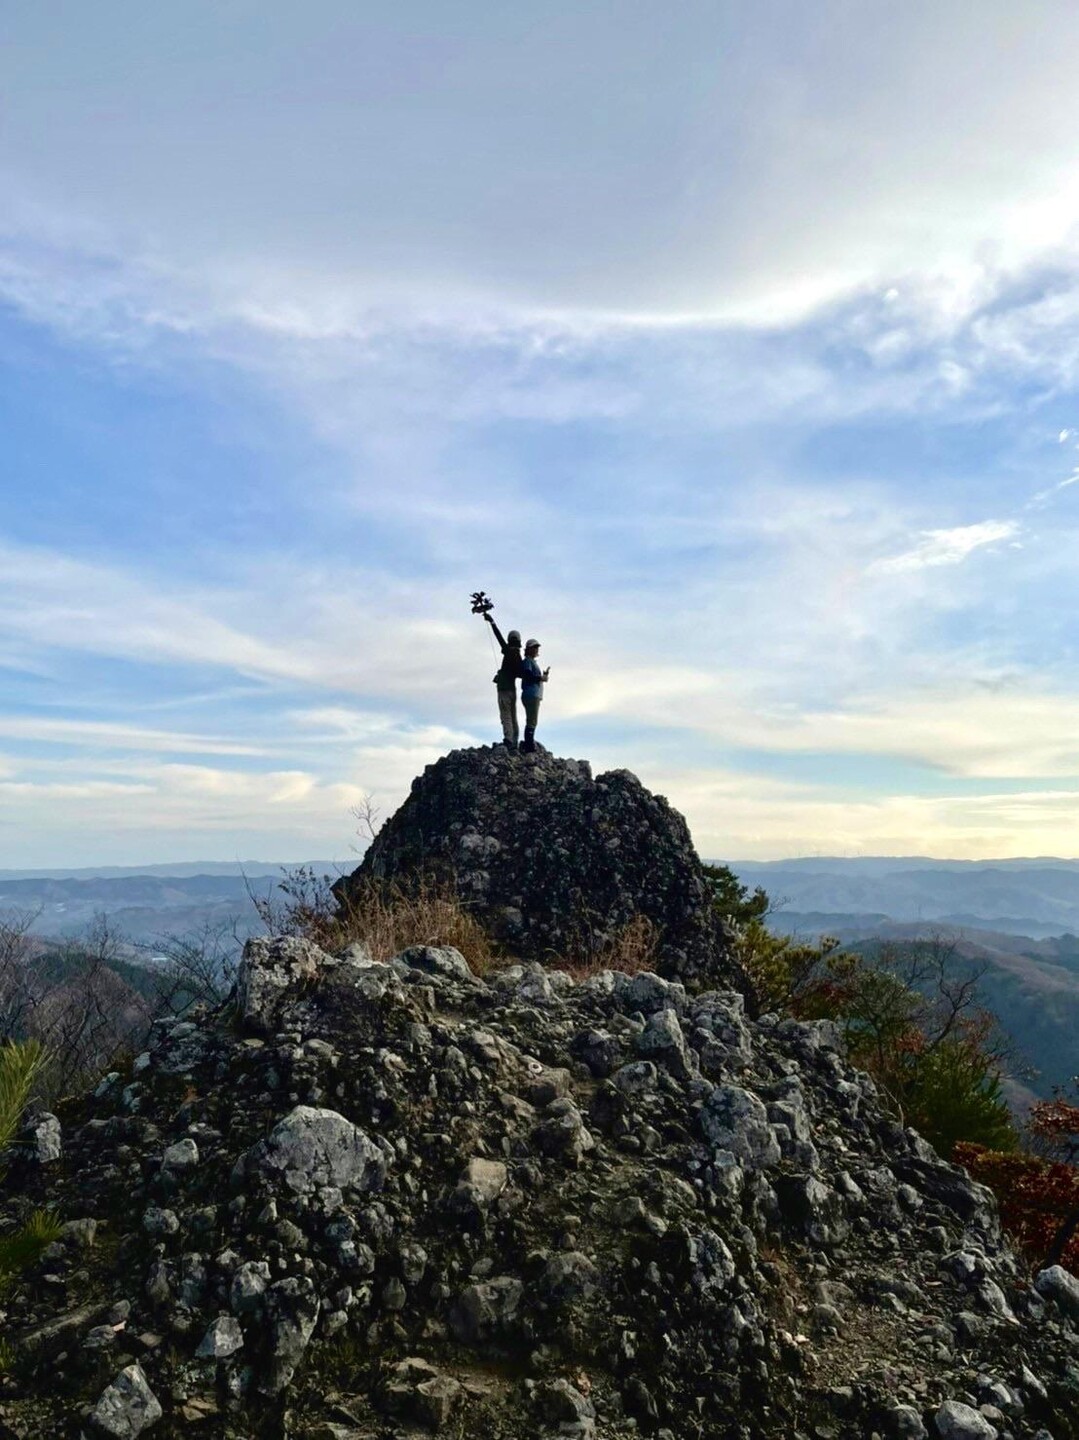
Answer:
(379, 1200)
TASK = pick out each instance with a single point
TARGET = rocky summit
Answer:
(372, 1200)
(551, 860)
(369, 1200)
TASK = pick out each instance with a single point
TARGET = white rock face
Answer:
(735, 1120)
(184, 1155)
(248, 1287)
(127, 1408)
(956, 1421)
(357, 955)
(268, 969)
(1060, 1285)
(436, 960)
(313, 1149)
(222, 1339)
(482, 1182)
(292, 1310)
(44, 1139)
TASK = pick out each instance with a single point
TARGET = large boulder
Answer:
(272, 968)
(313, 1149)
(552, 861)
(127, 1407)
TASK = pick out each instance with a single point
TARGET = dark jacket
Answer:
(509, 672)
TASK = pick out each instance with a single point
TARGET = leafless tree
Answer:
(368, 824)
(194, 969)
(70, 998)
(17, 992)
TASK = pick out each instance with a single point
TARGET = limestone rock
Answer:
(222, 1339)
(127, 1407)
(606, 1206)
(269, 969)
(956, 1421)
(313, 1149)
(441, 960)
(1058, 1284)
(486, 1310)
(482, 1182)
(292, 1310)
(41, 1139)
(736, 1120)
(184, 1155)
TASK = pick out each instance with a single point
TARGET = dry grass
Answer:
(631, 948)
(387, 917)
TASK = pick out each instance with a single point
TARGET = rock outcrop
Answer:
(379, 1200)
(551, 860)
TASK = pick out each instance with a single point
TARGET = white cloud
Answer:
(948, 547)
(92, 735)
(398, 270)
(743, 162)
(751, 817)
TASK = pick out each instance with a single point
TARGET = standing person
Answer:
(509, 672)
(533, 680)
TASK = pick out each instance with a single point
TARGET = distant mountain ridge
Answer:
(1026, 897)
(143, 905)
(172, 868)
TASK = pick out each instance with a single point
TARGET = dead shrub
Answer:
(631, 948)
(386, 916)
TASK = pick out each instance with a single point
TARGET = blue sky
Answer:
(734, 350)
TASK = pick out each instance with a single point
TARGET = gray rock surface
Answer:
(594, 854)
(735, 1120)
(315, 1149)
(272, 966)
(41, 1139)
(956, 1421)
(524, 1206)
(1058, 1284)
(292, 1310)
(222, 1339)
(127, 1407)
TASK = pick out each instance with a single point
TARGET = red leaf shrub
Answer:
(1037, 1199)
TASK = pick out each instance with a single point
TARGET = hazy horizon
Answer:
(269, 867)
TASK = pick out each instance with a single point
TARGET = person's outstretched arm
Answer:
(494, 627)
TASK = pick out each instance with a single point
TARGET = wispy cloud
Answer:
(948, 547)
(730, 449)
(92, 735)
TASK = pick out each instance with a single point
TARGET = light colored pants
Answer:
(531, 712)
(507, 713)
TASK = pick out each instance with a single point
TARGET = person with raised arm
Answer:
(506, 677)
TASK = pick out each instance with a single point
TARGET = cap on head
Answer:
(531, 644)
(514, 638)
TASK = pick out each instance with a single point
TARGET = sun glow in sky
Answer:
(734, 349)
